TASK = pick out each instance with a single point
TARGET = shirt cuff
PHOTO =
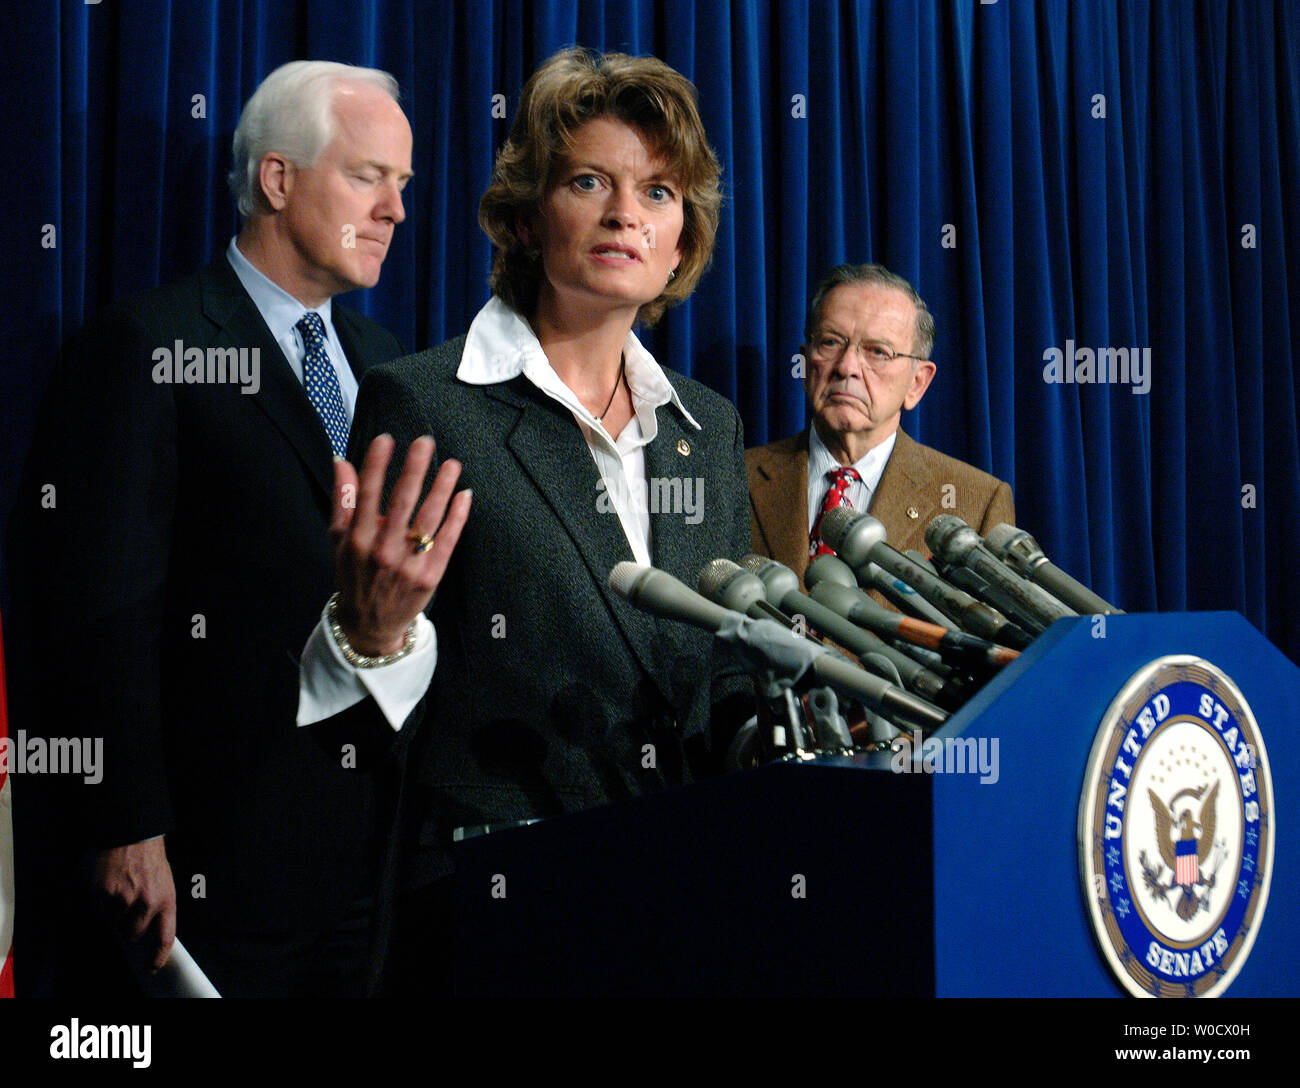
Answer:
(329, 685)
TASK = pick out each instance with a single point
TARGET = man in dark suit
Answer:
(178, 557)
(868, 340)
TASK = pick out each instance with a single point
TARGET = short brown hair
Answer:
(576, 86)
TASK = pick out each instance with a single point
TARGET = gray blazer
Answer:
(552, 693)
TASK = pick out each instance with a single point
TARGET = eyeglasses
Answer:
(874, 354)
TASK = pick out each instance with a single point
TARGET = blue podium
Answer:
(845, 876)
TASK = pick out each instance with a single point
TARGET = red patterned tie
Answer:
(840, 479)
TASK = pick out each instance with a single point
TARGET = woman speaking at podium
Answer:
(551, 693)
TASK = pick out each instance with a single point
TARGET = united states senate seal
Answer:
(1176, 831)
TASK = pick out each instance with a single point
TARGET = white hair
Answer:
(292, 112)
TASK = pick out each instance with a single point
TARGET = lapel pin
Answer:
(913, 512)
(683, 447)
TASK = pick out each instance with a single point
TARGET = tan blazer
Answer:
(911, 493)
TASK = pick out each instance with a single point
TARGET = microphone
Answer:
(730, 585)
(992, 595)
(1020, 551)
(727, 584)
(953, 541)
(922, 560)
(955, 645)
(658, 592)
(860, 539)
(899, 594)
(781, 731)
(782, 590)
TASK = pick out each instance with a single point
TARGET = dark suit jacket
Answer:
(549, 686)
(911, 493)
(171, 590)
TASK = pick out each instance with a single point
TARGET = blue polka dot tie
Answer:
(322, 383)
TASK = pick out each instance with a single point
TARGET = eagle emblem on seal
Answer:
(1185, 843)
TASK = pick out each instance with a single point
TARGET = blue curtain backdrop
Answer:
(1107, 173)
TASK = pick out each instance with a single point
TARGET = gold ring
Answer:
(420, 542)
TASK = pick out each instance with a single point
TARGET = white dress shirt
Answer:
(282, 312)
(821, 461)
(501, 345)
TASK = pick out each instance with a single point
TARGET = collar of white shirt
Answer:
(501, 345)
(279, 309)
(821, 461)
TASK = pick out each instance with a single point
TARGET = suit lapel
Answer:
(281, 396)
(354, 344)
(665, 461)
(678, 452)
(902, 488)
(552, 452)
(778, 488)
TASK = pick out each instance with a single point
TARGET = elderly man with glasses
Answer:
(868, 341)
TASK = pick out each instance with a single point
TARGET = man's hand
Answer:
(384, 582)
(135, 883)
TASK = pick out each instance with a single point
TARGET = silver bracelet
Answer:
(359, 660)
